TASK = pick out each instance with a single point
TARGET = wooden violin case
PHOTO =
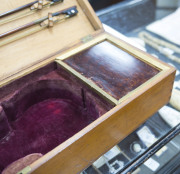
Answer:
(71, 92)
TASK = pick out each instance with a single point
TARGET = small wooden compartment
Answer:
(72, 92)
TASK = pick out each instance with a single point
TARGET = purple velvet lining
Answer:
(41, 116)
(4, 124)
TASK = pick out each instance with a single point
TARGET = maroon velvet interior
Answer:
(43, 113)
(45, 108)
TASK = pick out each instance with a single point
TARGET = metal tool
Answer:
(45, 22)
(35, 5)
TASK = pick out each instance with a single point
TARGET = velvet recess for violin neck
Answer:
(112, 69)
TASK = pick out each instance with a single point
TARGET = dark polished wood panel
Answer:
(112, 69)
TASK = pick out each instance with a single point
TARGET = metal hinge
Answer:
(87, 38)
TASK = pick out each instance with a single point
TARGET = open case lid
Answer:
(42, 46)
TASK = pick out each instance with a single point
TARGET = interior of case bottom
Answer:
(45, 108)
(42, 110)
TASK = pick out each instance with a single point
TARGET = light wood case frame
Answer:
(81, 150)
(132, 110)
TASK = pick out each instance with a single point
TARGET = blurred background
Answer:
(136, 12)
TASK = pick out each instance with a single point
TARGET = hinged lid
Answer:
(43, 45)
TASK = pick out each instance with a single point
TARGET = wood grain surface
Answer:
(112, 69)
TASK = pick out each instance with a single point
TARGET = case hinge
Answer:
(87, 38)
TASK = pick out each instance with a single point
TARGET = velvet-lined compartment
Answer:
(43, 110)
(48, 106)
